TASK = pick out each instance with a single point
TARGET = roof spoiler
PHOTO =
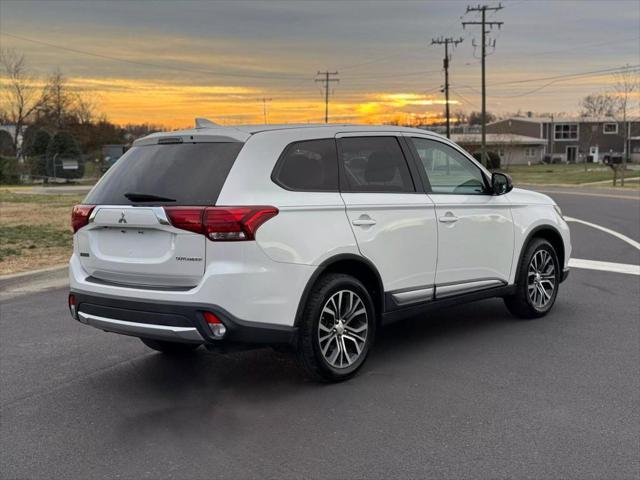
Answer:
(205, 123)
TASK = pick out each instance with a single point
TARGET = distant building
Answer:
(513, 149)
(575, 139)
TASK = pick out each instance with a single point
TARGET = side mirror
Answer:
(501, 183)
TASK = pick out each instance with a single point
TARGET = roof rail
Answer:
(205, 123)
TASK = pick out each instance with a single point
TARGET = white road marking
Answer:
(604, 266)
(622, 237)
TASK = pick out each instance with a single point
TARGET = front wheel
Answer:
(537, 282)
(337, 328)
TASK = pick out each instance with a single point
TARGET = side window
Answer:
(310, 165)
(375, 164)
(447, 169)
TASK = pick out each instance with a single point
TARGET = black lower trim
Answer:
(185, 315)
(565, 275)
(421, 308)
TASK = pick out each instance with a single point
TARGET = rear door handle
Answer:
(448, 217)
(364, 221)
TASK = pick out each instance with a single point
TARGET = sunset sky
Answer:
(165, 62)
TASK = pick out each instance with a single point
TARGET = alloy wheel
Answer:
(343, 328)
(541, 279)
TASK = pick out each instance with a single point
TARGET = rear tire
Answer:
(337, 328)
(170, 348)
(537, 283)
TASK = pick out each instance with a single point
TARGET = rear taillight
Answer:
(80, 216)
(72, 306)
(217, 327)
(186, 218)
(221, 223)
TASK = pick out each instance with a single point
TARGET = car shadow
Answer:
(253, 370)
(209, 390)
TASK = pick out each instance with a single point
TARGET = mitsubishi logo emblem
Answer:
(122, 219)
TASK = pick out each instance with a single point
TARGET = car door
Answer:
(475, 227)
(393, 222)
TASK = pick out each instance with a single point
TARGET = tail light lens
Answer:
(217, 327)
(80, 216)
(72, 306)
(226, 224)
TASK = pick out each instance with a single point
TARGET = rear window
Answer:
(189, 173)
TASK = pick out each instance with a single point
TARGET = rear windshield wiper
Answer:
(147, 197)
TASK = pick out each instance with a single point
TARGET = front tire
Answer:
(170, 348)
(537, 283)
(337, 328)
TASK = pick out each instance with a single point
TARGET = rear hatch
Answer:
(129, 239)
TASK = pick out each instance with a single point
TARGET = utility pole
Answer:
(264, 107)
(446, 42)
(484, 24)
(326, 80)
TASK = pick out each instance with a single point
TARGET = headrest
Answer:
(302, 171)
(380, 167)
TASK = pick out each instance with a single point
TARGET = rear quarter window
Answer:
(189, 173)
(310, 165)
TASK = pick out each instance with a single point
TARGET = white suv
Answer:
(307, 236)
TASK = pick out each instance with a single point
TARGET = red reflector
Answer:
(221, 223)
(211, 318)
(72, 306)
(80, 216)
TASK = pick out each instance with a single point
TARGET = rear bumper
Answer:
(174, 322)
(144, 330)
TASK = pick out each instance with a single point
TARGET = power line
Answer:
(446, 42)
(464, 99)
(155, 65)
(555, 79)
(327, 80)
(483, 9)
(393, 75)
(568, 75)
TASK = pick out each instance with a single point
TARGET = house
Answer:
(513, 149)
(575, 139)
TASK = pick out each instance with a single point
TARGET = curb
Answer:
(34, 275)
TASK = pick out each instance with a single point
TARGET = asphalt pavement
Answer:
(468, 392)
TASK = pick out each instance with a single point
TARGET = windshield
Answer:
(185, 173)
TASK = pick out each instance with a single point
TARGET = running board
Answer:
(395, 313)
(444, 291)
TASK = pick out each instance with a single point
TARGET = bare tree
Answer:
(475, 118)
(84, 109)
(598, 105)
(21, 96)
(460, 117)
(59, 101)
(626, 86)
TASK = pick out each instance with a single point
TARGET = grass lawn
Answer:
(35, 230)
(567, 174)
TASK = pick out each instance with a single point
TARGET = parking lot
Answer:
(466, 392)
